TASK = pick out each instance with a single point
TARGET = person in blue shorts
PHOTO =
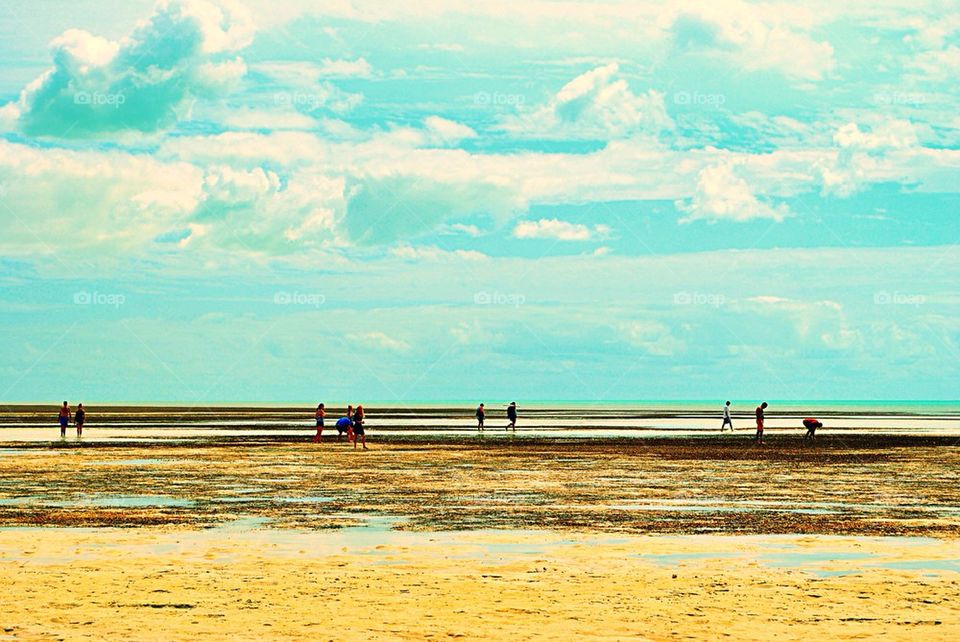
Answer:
(64, 418)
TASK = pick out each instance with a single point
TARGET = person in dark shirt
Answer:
(512, 415)
(480, 414)
(358, 431)
(79, 418)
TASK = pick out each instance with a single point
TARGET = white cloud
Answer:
(768, 299)
(861, 153)
(141, 82)
(379, 341)
(752, 38)
(266, 119)
(441, 46)
(722, 195)
(653, 337)
(358, 68)
(433, 253)
(447, 132)
(460, 228)
(558, 230)
(595, 104)
(891, 134)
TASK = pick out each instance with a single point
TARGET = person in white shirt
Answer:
(726, 418)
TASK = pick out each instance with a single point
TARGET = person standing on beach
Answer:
(760, 409)
(319, 415)
(726, 418)
(358, 428)
(512, 415)
(481, 413)
(79, 418)
(811, 425)
(64, 418)
(350, 427)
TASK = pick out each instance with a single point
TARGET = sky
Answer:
(294, 201)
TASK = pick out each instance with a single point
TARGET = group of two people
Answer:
(351, 424)
(810, 423)
(78, 418)
(481, 415)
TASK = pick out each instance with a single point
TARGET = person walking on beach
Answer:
(64, 418)
(79, 418)
(811, 425)
(760, 409)
(726, 418)
(481, 413)
(319, 415)
(512, 415)
(358, 428)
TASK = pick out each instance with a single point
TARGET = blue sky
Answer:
(291, 201)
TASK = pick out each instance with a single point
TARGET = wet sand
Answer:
(246, 584)
(481, 538)
(854, 485)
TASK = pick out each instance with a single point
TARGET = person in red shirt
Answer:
(811, 425)
(760, 409)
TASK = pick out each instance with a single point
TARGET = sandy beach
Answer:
(242, 583)
(481, 538)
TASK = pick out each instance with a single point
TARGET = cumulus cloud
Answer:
(860, 153)
(722, 195)
(597, 104)
(752, 39)
(124, 203)
(112, 201)
(141, 83)
(551, 228)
